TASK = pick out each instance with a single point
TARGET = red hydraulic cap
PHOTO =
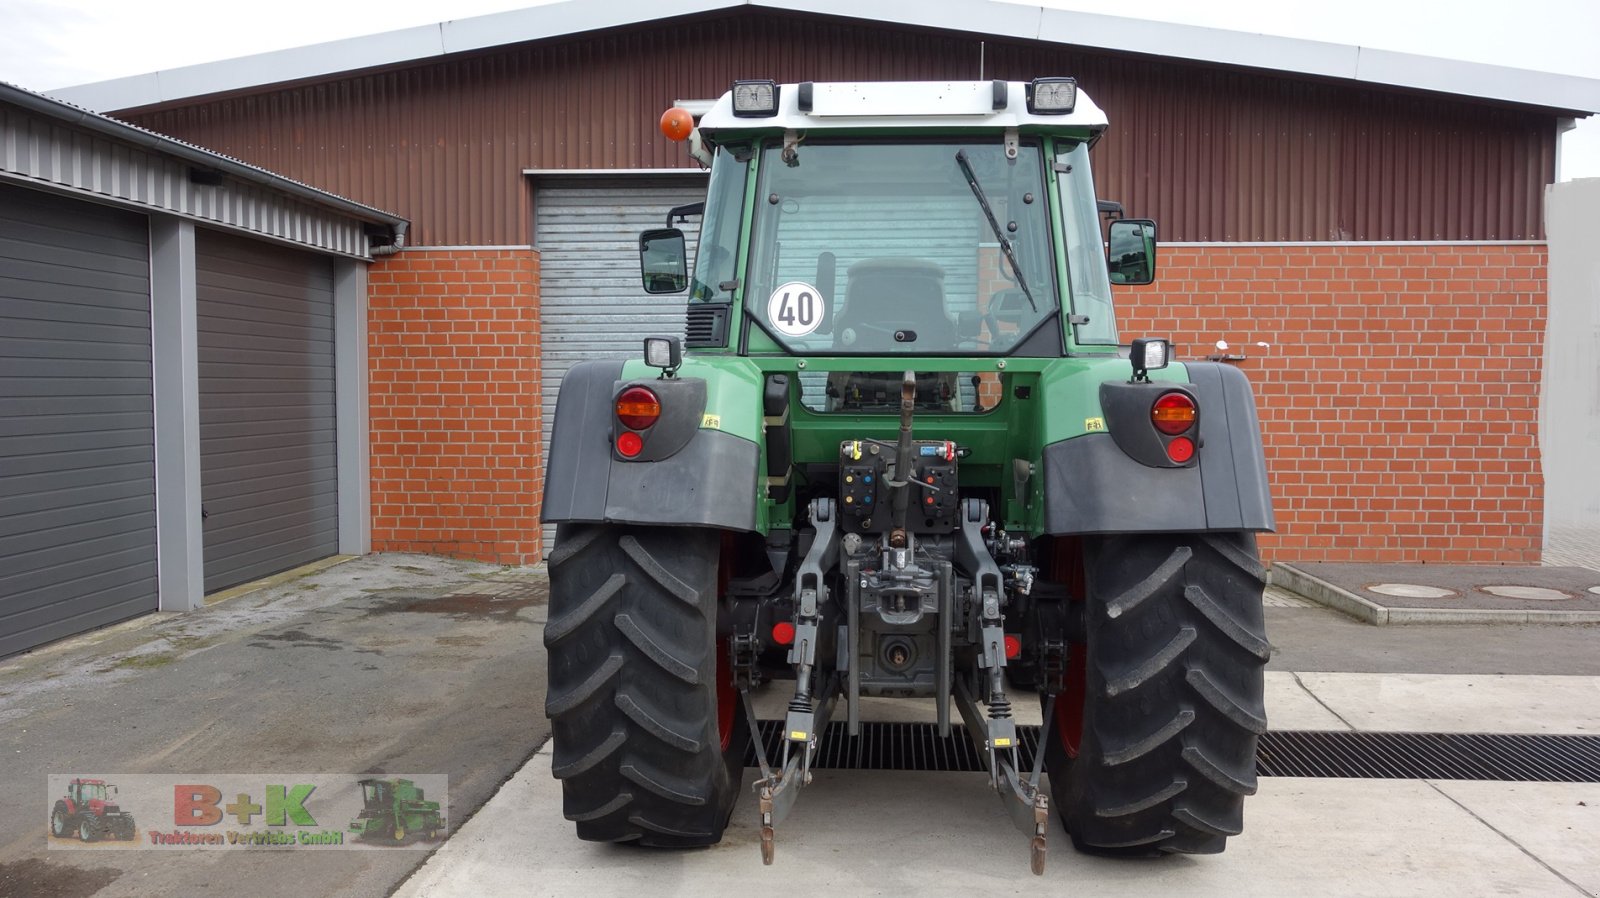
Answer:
(783, 633)
(1013, 646)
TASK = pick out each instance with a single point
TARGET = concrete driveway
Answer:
(383, 663)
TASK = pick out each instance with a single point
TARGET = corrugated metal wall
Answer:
(1213, 154)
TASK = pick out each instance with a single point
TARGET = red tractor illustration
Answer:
(90, 810)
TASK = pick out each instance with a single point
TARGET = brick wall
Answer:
(1399, 398)
(453, 337)
(1399, 395)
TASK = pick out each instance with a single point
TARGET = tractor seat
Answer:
(889, 294)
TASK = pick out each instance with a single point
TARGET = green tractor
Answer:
(394, 809)
(906, 455)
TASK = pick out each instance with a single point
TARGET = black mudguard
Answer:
(707, 480)
(1092, 486)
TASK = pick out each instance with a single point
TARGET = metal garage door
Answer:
(77, 433)
(268, 473)
(590, 300)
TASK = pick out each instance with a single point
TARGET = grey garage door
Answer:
(268, 472)
(77, 436)
(591, 304)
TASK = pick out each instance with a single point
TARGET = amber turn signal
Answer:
(1173, 413)
(638, 408)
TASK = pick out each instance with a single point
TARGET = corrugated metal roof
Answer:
(72, 114)
(1215, 154)
(988, 17)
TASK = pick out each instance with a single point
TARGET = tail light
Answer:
(1173, 413)
(638, 408)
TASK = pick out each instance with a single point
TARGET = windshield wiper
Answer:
(988, 212)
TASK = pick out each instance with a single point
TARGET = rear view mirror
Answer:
(1131, 252)
(663, 261)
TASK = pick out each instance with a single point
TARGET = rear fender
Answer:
(1092, 483)
(687, 475)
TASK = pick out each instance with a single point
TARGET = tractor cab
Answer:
(376, 795)
(84, 791)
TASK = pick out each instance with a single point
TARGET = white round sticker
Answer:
(795, 309)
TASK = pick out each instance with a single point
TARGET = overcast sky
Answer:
(46, 44)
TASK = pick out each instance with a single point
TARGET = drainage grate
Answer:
(1444, 756)
(1441, 756)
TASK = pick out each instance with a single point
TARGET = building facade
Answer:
(183, 380)
(1367, 240)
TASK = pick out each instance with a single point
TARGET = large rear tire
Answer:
(1154, 740)
(649, 735)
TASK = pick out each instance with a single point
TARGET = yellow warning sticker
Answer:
(1094, 425)
(714, 421)
(797, 736)
(1002, 743)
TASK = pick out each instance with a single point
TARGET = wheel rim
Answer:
(83, 830)
(58, 824)
(1069, 704)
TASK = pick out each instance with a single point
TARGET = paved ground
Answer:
(1573, 547)
(859, 833)
(1315, 638)
(1480, 586)
(373, 665)
(366, 666)
(872, 833)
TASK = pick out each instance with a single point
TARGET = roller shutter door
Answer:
(268, 472)
(77, 432)
(591, 303)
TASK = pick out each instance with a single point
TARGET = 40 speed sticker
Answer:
(795, 309)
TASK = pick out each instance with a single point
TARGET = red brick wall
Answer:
(453, 338)
(1399, 398)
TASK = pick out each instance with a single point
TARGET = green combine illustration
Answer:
(394, 809)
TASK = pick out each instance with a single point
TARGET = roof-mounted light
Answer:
(755, 99)
(1052, 96)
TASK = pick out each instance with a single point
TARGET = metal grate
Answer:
(706, 324)
(1445, 756)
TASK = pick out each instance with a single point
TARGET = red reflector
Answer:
(783, 633)
(638, 408)
(1173, 413)
(629, 444)
(1013, 646)
(1180, 450)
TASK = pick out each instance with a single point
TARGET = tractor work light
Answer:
(1149, 354)
(665, 353)
(755, 99)
(1052, 96)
